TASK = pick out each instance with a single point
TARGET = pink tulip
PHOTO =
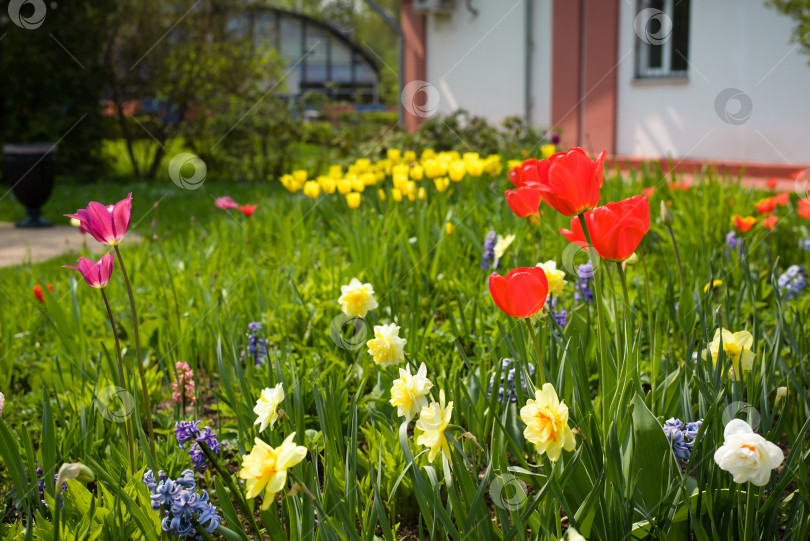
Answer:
(107, 223)
(225, 203)
(95, 273)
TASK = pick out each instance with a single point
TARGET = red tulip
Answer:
(743, 224)
(521, 293)
(38, 292)
(771, 183)
(107, 223)
(803, 208)
(247, 210)
(769, 222)
(95, 273)
(568, 181)
(648, 192)
(524, 172)
(524, 201)
(766, 206)
(781, 199)
(616, 228)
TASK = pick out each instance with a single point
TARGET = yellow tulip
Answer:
(417, 172)
(475, 168)
(335, 172)
(300, 176)
(449, 227)
(547, 150)
(394, 154)
(456, 170)
(421, 194)
(353, 200)
(441, 184)
(396, 195)
(381, 194)
(312, 189)
(344, 186)
(409, 156)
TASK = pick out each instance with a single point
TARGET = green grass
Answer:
(198, 285)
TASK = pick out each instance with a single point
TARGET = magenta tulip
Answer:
(95, 273)
(107, 223)
(225, 203)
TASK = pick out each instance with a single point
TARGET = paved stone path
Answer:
(24, 246)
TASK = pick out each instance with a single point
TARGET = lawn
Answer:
(230, 307)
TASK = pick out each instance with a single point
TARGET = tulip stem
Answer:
(623, 278)
(677, 254)
(124, 384)
(542, 370)
(139, 359)
(603, 347)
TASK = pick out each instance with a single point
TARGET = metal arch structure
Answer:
(321, 58)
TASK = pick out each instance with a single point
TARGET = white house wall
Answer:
(737, 44)
(477, 62)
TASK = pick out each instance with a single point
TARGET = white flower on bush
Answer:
(747, 455)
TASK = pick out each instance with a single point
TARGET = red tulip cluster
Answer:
(569, 182)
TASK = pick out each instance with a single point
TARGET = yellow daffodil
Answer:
(312, 189)
(547, 151)
(502, 244)
(386, 348)
(555, 277)
(266, 408)
(457, 170)
(546, 420)
(353, 200)
(737, 347)
(433, 421)
(449, 227)
(409, 392)
(265, 468)
(711, 285)
(357, 298)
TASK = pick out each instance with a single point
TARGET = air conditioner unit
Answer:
(433, 6)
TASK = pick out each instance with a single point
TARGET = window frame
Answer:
(643, 71)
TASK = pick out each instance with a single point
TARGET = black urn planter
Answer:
(29, 170)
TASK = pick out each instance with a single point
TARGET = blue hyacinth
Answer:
(733, 242)
(582, 287)
(257, 346)
(188, 431)
(793, 281)
(682, 438)
(805, 244)
(489, 252)
(506, 390)
(180, 502)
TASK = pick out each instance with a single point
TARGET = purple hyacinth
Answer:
(792, 282)
(488, 262)
(506, 390)
(682, 438)
(733, 241)
(555, 138)
(560, 315)
(180, 503)
(582, 287)
(257, 346)
(804, 244)
(187, 431)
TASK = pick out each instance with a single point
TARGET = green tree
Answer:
(799, 11)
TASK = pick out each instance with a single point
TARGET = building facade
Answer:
(686, 80)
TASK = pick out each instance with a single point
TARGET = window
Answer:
(662, 31)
